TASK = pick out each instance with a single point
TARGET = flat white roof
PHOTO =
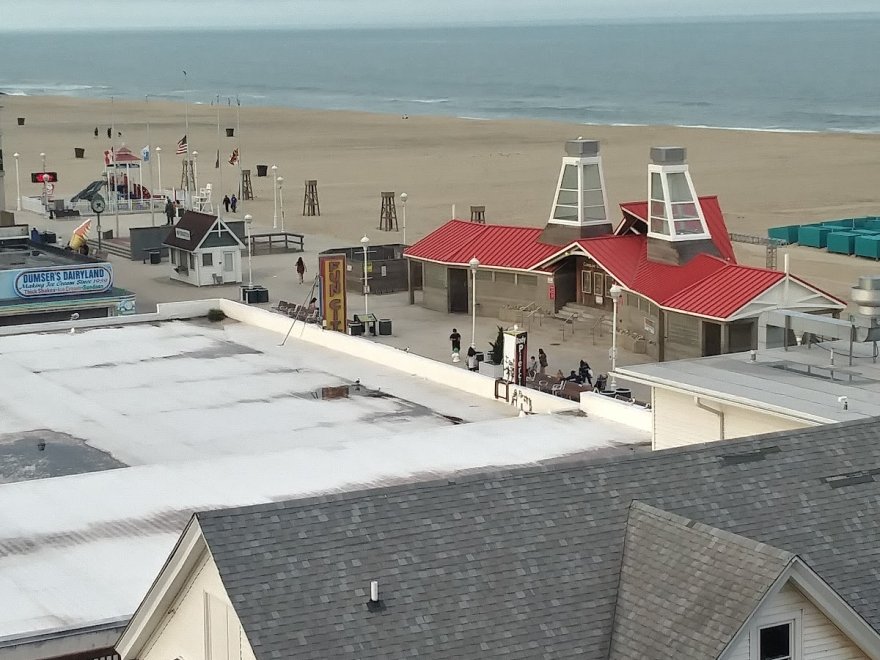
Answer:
(796, 382)
(209, 416)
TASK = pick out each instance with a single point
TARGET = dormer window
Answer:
(580, 195)
(675, 212)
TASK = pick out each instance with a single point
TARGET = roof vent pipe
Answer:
(374, 591)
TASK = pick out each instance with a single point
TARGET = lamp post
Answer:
(281, 200)
(45, 187)
(403, 198)
(614, 291)
(365, 242)
(159, 166)
(474, 263)
(275, 196)
(248, 219)
(17, 183)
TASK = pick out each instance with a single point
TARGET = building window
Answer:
(567, 199)
(593, 199)
(632, 300)
(586, 281)
(505, 278)
(527, 280)
(775, 642)
(484, 275)
(207, 259)
(598, 284)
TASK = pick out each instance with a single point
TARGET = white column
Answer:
(16, 155)
(159, 165)
(365, 242)
(275, 196)
(281, 199)
(474, 264)
(248, 219)
(403, 198)
(615, 292)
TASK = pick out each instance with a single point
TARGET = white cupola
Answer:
(673, 208)
(580, 206)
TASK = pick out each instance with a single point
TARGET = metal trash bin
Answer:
(355, 328)
(155, 257)
(384, 326)
(262, 170)
(262, 294)
(480, 356)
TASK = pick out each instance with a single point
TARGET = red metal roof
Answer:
(714, 222)
(724, 292)
(497, 246)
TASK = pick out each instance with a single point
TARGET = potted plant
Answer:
(491, 366)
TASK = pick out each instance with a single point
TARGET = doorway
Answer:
(711, 338)
(229, 267)
(457, 289)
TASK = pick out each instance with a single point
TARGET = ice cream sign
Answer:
(63, 281)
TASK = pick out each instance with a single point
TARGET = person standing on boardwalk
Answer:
(226, 202)
(169, 211)
(300, 269)
(233, 202)
(472, 364)
(542, 360)
(455, 338)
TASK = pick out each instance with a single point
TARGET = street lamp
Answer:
(159, 166)
(403, 198)
(474, 263)
(614, 291)
(17, 183)
(275, 196)
(281, 200)
(248, 219)
(365, 242)
(45, 184)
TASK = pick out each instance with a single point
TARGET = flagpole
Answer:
(150, 161)
(238, 132)
(219, 166)
(188, 199)
(113, 196)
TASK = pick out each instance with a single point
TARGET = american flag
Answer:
(182, 146)
(233, 159)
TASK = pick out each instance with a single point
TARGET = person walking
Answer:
(300, 269)
(109, 134)
(542, 361)
(96, 131)
(533, 367)
(233, 202)
(472, 359)
(455, 338)
(169, 211)
(226, 202)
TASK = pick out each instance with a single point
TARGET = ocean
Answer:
(783, 74)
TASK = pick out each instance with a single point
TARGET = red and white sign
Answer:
(551, 291)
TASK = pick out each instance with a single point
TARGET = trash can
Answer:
(79, 152)
(21, 121)
(623, 393)
(155, 257)
(384, 326)
(48, 237)
(355, 328)
(250, 295)
(480, 356)
(262, 294)
(262, 169)
(230, 132)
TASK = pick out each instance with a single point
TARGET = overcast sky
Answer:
(109, 14)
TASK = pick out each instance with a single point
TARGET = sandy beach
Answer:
(762, 178)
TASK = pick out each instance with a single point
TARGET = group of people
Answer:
(230, 202)
(583, 374)
(171, 210)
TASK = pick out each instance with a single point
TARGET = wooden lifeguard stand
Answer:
(247, 190)
(187, 176)
(478, 214)
(388, 213)
(311, 206)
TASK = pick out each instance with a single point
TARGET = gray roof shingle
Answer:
(683, 576)
(525, 563)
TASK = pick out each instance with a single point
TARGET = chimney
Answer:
(677, 230)
(374, 604)
(580, 206)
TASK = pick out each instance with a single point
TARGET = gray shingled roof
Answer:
(525, 564)
(682, 576)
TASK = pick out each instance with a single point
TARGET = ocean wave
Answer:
(428, 101)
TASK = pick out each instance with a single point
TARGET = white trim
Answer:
(163, 591)
(718, 397)
(796, 633)
(820, 594)
(208, 233)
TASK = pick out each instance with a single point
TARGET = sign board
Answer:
(182, 234)
(62, 281)
(44, 177)
(551, 291)
(332, 268)
(514, 364)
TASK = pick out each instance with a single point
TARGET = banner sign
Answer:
(182, 234)
(333, 307)
(62, 281)
(515, 366)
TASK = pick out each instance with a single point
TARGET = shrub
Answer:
(497, 352)
(215, 315)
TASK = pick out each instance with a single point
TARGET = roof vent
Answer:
(850, 478)
(749, 456)
(374, 604)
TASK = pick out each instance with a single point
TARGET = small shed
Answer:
(203, 250)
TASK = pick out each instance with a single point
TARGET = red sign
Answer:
(552, 291)
(44, 177)
(333, 307)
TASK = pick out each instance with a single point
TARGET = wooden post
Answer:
(478, 214)
(388, 213)
(247, 190)
(311, 206)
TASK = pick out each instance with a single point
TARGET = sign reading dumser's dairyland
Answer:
(63, 281)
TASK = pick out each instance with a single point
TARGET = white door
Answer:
(229, 267)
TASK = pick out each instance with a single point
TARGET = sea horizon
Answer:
(803, 73)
